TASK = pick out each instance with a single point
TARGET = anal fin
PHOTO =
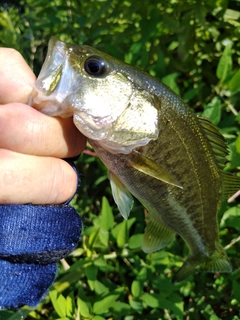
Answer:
(156, 236)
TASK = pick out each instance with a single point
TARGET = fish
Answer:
(155, 148)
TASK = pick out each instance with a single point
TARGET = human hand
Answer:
(31, 144)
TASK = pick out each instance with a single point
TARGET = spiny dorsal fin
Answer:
(216, 140)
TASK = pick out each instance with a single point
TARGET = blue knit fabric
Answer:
(32, 239)
(24, 284)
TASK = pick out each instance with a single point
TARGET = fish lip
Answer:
(94, 123)
(56, 50)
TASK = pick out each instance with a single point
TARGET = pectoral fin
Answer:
(152, 169)
(156, 236)
(121, 195)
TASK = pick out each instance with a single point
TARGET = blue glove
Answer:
(32, 239)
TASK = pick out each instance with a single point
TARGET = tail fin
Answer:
(217, 262)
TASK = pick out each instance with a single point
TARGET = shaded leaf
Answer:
(135, 241)
(224, 67)
(170, 81)
(234, 83)
(136, 288)
(213, 110)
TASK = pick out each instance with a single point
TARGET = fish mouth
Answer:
(51, 88)
(55, 55)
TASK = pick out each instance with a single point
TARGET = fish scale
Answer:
(154, 147)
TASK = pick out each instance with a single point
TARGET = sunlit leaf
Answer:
(59, 302)
(107, 219)
(99, 307)
(122, 237)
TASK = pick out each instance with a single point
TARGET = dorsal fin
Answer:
(216, 140)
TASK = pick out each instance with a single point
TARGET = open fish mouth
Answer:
(51, 88)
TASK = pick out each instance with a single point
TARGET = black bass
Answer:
(155, 148)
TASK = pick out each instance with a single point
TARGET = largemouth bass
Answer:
(155, 148)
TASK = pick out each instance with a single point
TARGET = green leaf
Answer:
(142, 274)
(103, 237)
(70, 305)
(231, 218)
(103, 305)
(59, 302)
(91, 272)
(234, 83)
(238, 144)
(136, 305)
(224, 67)
(234, 156)
(214, 317)
(213, 110)
(115, 231)
(135, 241)
(170, 81)
(100, 288)
(107, 219)
(192, 93)
(20, 314)
(84, 307)
(136, 288)
(93, 237)
(231, 14)
(151, 300)
(122, 237)
(120, 308)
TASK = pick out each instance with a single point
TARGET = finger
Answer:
(16, 81)
(25, 130)
(33, 179)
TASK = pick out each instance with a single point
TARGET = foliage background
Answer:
(192, 46)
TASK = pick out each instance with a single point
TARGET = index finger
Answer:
(26, 130)
(17, 78)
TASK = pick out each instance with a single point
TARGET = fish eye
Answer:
(95, 66)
